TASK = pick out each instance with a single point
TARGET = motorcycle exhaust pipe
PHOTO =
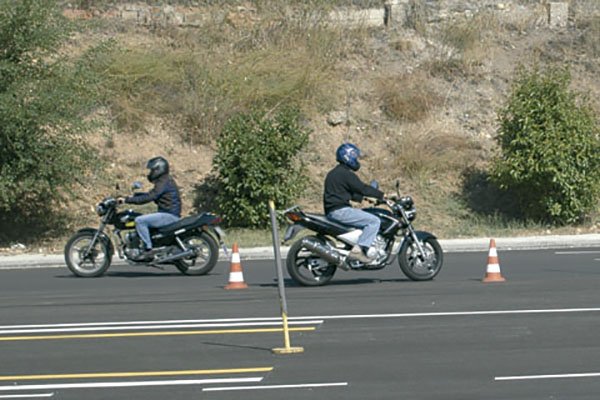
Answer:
(325, 252)
(174, 257)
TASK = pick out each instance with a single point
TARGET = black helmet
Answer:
(158, 167)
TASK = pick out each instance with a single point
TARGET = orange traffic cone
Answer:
(493, 267)
(236, 276)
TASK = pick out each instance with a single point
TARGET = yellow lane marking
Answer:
(138, 374)
(159, 333)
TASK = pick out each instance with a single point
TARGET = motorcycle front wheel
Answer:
(418, 269)
(204, 259)
(85, 260)
(306, 268)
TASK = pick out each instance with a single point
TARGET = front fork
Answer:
(87, 251)
(414, 237)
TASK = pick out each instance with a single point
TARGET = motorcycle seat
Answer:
(323, 218)
(182, 223)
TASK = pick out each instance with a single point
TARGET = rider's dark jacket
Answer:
(343, 185)
(165, 194)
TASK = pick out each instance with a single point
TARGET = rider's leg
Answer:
(143, 223)
(369, 223)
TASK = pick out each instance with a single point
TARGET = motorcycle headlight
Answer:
(101, 209)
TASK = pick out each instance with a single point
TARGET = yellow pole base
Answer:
(287, 350)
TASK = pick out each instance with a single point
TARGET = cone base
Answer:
(493, 278)
(236, 285)
(288, 350)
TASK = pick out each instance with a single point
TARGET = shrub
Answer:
(550, 144)
(257, 161)
(44, 98)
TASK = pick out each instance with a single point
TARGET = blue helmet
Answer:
(348, 154)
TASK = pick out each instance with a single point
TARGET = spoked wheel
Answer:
(307, 268)
(205, 254)
(86, 261)
(419, 269)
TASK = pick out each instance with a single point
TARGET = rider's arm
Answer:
(143, 198)
(362, 189)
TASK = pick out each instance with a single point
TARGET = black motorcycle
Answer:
(189, 244)
(313, 259)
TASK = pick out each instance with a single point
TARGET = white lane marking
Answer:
(577, 252)
(26, 396)
(556, 376)
(95, 385)
(126, 323)
(451, 313)
(309, 319)
(298, 386)
(151, 327)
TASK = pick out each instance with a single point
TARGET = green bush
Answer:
(258, 161)
(44, 97)
(550, 144)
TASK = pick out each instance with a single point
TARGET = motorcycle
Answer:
(313, 259)
(189, 244)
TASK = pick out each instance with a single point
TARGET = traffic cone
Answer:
(236, 276)
(493, 267)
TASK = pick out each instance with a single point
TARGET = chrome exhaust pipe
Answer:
(327, 253)
(174, 257)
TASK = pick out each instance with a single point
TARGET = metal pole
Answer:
(282, 301)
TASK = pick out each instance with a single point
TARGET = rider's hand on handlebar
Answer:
(120, 200)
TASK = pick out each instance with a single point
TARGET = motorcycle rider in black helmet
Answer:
(165, 194)
(343, 185)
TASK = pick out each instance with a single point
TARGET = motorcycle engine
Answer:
(132, 245)
(377, 249)
(132, 239)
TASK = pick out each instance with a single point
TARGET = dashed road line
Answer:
(137, 374)
(104, 385)
(267, 387)
(554, 376)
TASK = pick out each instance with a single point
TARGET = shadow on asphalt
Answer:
(236, 346)
(337, 282)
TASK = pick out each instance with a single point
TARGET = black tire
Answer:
(95, 263)
(306, 268)
(416, 269)
(206, 254)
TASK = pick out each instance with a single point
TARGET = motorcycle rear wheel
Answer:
(94, 263)
(306, 268)
(204, 259)
(416, 269)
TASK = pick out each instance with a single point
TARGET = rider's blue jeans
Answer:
(360, 219)
(143, 223)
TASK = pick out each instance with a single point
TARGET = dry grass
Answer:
(426, 155)
(408, 97)
(254, 61)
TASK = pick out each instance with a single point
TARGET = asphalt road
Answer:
(151, 334)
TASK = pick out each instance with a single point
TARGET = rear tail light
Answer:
(294, 217)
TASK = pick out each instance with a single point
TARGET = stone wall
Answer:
(392, 12)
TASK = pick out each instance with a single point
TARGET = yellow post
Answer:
(282, 302)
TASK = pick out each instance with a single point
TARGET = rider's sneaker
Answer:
(147, 255)
(357, 254)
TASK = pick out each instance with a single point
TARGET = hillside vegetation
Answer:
(421, 98)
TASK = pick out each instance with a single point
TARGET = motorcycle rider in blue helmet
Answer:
(343, 185)
(165, 194)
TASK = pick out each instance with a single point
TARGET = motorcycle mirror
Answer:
(117, 188)
(374, 184)
(136, 185)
